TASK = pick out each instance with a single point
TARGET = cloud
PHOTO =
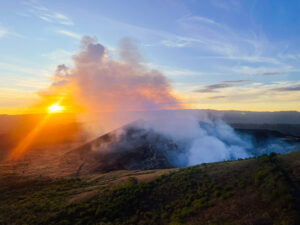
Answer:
(217, 97)
(56, 18)
(213, 87)
(215, 37)
(273, 73)
(62, 19)
(181, 76)
(191, 21)
(264, 70)
(206, 41)
(223, 42)
(288, 88)
(217, 40)
(175, 44)
(251, 51)
(220, 85)
(69, 34)
(45, 14)
(202, 19)
(99, 83)
(254, 96)
(214, 40)
(235, 81)
(182, 73)
(129, 53)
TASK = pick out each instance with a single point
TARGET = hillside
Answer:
(262, 190)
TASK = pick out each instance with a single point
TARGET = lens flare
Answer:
(55, 108)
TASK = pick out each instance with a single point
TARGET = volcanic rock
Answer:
(128, 148)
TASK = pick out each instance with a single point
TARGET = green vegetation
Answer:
(275, 189)
(33, 201)
(255, 191)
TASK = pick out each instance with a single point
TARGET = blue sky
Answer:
(219, 54)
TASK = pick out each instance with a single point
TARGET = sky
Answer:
(227, 55)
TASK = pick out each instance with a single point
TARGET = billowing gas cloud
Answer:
(201, 138)
(174, 139)
(101, 84)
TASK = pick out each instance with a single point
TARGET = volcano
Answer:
(136, 146)
(128, 148)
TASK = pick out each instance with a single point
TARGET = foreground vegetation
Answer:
(253, 191)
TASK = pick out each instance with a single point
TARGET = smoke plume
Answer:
(199, 137)
(98, 83)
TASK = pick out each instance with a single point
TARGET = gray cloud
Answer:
(91, 51)
(129, 53)
(235, 81)
(220, 85)
(272, 73)
(217, 97)
(62, 72)
(288, 88)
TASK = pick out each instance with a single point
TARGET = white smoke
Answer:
(201, 139)
(204, 138)
(99, 83)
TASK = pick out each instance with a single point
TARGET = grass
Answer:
(254, 191)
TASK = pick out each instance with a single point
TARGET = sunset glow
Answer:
(55, 108)
(149, 112)
(212, 57)
(21, 148)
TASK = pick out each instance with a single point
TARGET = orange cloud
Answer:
(99, 83)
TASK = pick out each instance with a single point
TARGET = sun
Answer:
(55, 108)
